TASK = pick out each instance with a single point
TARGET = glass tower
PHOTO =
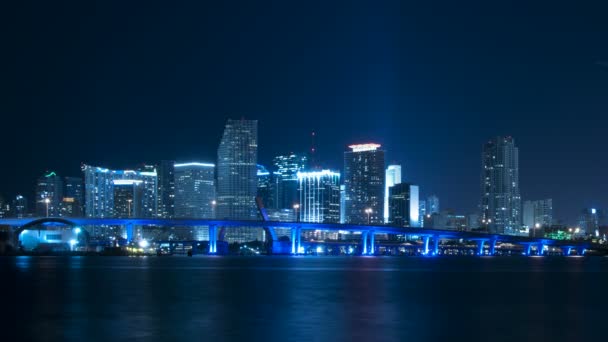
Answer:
(237, 177)
(319, 193)
(393, 176)
(500, 197)
(364, 179)
(194, 190)
(49, 195)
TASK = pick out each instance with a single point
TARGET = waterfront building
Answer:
(194, 190)
(393, 176)
(287, 167)
(538, 213)
(364, 179)
(49, 194)
(266, 187)
(500, 196)
(404, 205)
(166, 189)
(319, 196)
(432, 204)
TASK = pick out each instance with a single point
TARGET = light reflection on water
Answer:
(304, 298)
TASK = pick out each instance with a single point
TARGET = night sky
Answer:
(121, 83)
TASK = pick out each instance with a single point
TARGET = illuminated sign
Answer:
(364, 147)
(194, 164)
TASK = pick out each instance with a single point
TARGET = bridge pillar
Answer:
(528, 249)
(580, 251)
(298, 239)
(372, 247)
(492, 246)
(212, 239)
(129, 230)
(480, 245)
(436, 245)
(540, 248)
(426, 245)
(294, 231)
(364, 242)
(566, 250)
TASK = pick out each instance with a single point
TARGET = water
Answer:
(304, 298)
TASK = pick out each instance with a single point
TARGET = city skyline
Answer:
(546, 89)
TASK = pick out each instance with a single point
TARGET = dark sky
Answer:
(121, 83)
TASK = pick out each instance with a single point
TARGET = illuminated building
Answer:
(49, 193)
(19, 207)
(500, 197)
(538, 212)
(404, 205)
(194, 190)
(166, 189)
(73, 197)
(393, 176)
(319, 196)
(266, 187)
(432, 205)
(288, 167)
(127, 195)
(99, 191)
(590, 221)
(237, 177)
(364, 179)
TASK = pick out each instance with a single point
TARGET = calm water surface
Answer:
(305, 298)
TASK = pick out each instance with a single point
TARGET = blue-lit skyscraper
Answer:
(393, 176)
(432, 205)
(166, 189)
(266, 188)
(364, 178)
(237, 176)
(319, 193)
(194, 190)
(49, 195)
(288, 167)
(404, 205)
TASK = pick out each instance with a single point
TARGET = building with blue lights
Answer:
(166, 189)
(500, 196)
(404, 205)
(538, 213)
(49, 194)
(99, 191)
(194, 190)
(237, 180)
(319, 196)
(287, 167)
(393, 176)
(266, 187)
(364, 178)
(432, 205)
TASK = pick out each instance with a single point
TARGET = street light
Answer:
(536, 226)
(47, 201)
(368, 211)
(296, 207)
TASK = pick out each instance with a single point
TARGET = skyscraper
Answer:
(19, 207)
(538, 212)
(432, 205)
(319, 196)
(393, 176)
(127, 195)
(266, 187)
(591, 219)
(364, 179)
(500, 197)
(194, 190)
(73, 197)
(404, 205)
(237, 176)
(288, 167)
(99, 190)
(166, 189)
(49, 194)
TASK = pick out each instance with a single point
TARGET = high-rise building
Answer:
(195, 190)
(237, 177)
(500, 196)
(342, 204)
(49, 194)
(432, 205)
(393, 176)
(266, 187)
(364, 179)
(166, 189)
(127, 195)
(19, 207)
(591, 219)
(319, 196)
(99, 191)
(538, 213)
(422, 211)
(5, 208)
(288, 167)
(73, 197)
(404, 205)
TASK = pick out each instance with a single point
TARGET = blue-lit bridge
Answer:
(430, 237)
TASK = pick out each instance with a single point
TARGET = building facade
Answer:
(319, 196)
(166, 189)
(500, 196)
(194, 190)
(393, 176)
(287, 167)
(538, 213)
(404, 208)
(364, 178)
(432, 205)
(237, 177)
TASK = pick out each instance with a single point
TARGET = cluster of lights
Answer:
(364, 147)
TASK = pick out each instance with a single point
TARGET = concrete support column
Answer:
(298, 239)
(436, 245)
(129, 230)
(492, 246)
(425, 251)
(364, 242)
(212, 239)
(566, 250)
(480, 244)
(372, 247)
(528, 249)
(540, 248)
(294, 231)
